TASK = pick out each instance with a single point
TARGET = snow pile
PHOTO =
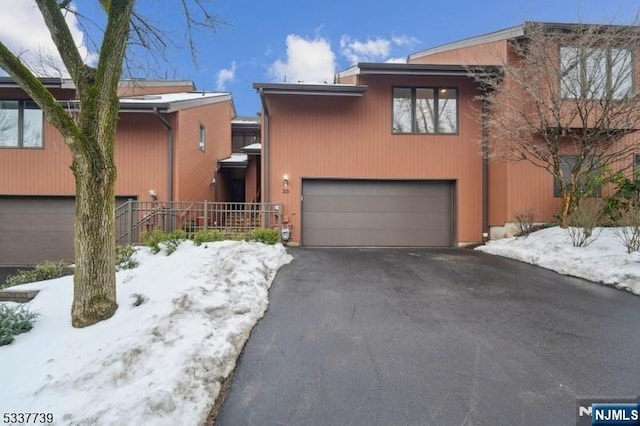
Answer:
(605, 261)
(159, 363)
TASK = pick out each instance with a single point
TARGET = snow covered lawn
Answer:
(604, 261)
(160, 363)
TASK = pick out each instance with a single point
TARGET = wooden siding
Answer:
(140, 154)
(195, 169)
(338, 137)
(134, 90)
(493, 53)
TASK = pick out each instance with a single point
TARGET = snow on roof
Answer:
(236, 160)
(170, 97)
(252, 147)
(245, 120)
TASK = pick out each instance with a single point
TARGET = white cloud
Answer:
(308, 60)
(404, 40)
(23, 31)
(369, 51)
(226, 75)
(396, 61)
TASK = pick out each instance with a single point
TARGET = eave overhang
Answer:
(310, 89)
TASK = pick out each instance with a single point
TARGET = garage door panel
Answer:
(360, 203)
(377, 213)
(374, 238)
(374, 221)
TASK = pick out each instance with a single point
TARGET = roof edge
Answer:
(504, 34)
(311, 89)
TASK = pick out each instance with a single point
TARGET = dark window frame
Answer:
(21, 110)
(248, 137)
(202, 138)
(436, 108)
(582, 75)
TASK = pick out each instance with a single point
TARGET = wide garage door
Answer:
(34, 229)
(377, 213)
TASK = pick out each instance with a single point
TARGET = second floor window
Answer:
(595, 73)
(21, 124)
(425, 110)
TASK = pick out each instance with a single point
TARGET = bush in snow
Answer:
(170, 240)
(138, 299)
(43, 271)
(629, 229)
(264, 235)
(14, 320)
(583, 221)
(525, 220)
(625, 199)
(208, 236)
(124, 257)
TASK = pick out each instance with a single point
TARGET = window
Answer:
(201, 138)
(636, 166)
(21, 124)
(567, 164)
(595, 73)
(240, 139)
(425, 110)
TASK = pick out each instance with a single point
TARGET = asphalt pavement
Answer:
(441, 337)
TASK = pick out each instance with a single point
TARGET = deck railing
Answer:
(133, 218)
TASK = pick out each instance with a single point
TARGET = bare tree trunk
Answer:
(94, 280)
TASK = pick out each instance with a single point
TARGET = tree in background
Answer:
(90, 132)
(566, 103)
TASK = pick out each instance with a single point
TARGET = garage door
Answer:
(34, 229)
(377, 213)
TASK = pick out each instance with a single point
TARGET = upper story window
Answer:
(425, 110)
(201, 138)
(21, 124)
(240, 139)
(595, 73)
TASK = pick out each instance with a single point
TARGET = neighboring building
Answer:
(168, 148)
(391, 154)
(519, 186)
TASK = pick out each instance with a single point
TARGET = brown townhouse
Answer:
(390, 154)
(173, 143)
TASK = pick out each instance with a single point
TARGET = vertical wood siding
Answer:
(493, 53)
(140, 157)
(195, 169)
(318, 136)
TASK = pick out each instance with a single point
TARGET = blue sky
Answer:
(264, 41)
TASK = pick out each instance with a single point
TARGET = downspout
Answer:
(266, 169)
(170, 164)
(485, 170)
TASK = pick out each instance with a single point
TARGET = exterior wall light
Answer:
(285, 184)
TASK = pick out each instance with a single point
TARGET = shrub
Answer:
(138, 299)
(626, 197)
(170, 240)
(525, 220)
(629, 230)
(124, 257)
(264, 235)
(174, 239)
(15, 320)
(153, 239)
(583, 221)
(207, 236)
(43, 271)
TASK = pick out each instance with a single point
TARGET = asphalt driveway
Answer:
(442, 337)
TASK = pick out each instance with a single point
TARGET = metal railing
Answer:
(134, 218)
